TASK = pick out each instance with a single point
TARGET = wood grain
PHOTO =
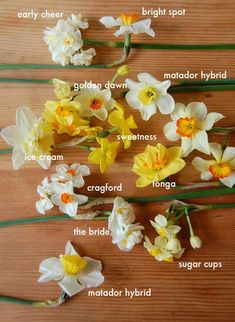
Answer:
(177, 294)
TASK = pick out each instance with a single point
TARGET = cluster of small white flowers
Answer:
(166, 246)
(60, 191)
(125, 233)
(65, 42)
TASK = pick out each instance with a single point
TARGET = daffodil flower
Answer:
(123, 126)
(157, 163)
(74, 273)
(95, 102)
(127, 237)
(44, 190)
(221, 168)
(77, 22)
(149, 94)
(62, 89)
(122, 214)
(190, 124)
(66, 199)
(105, 155)
(30, 137)
(63, 41)
(74, 173)
(84, 57)
(164, 228)
(64, 116)
(128, 24)
(159, 249)
(124, 233)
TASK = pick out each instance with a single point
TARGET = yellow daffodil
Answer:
(116, 119)
(105, 155)
(64, 116)
(157, 163)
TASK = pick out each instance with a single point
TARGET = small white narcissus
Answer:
(222, 167)
(190, 124)
(66, 199)
(128, 24)
(122, 214)
(84, 57)
(95, 102)
(149, 94)
(163, 227)
(77, 22)
(45, 191)
(73, 272)
(74, 173)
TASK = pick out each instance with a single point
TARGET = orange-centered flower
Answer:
(220, 170)
(71, 171)
(129, 19)
(185, 126)
(66, 197)
(95, 104)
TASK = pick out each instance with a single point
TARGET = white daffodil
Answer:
(63, 42)
(149, 94)
(126, 237)
(84, 57)
(159, 249)
(31, 139)
(77, 22)
(66, 199)
(45, 191)
(190, 124)
(173, 245)
(128, 24)
(164, 228)
(73, 272)
(74, 173)
(95, 102)
(222, 167)
(122, 214)
(62, 89)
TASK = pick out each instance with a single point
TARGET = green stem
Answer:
(85, 147)
(189, 223)
(25, 80)
(5, 151)
(184, 195)
(47, 303)
(162, 46)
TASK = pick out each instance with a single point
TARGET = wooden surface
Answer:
(177, 294)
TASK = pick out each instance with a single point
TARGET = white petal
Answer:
(147, 78)
(92, 265)
(197, 110)
(143, 26)
(69, 249)
(147, 111)
(81, 199)
(132, 99)
(62, 168)
(70, 285)
(132, 84)
(211, 118)
(161, 220)
(229, 181)
(179, 112)
(108, 21)
(14, 135)
(186, 144)
(170, 131)
(51, 269)
(93, 279)
(229, 154)
(166, 104)
(207, 175)
(45, 164)
(25, 117)
(216, 151)
(200, 142)
(18, 157)
(123, 30)
(69, 209)
(201, 164)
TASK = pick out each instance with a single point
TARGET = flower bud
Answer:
(123, 70)
(195, 242)
(173, 245)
